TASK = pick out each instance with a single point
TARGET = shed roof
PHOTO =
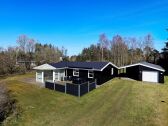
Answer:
(146, 64)
(44, 67)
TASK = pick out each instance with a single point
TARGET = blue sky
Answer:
(75, 24)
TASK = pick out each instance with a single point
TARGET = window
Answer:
(90, 74)
(112, 71)
(39, 75)
(76, 72)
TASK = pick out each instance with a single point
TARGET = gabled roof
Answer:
(44, 67)
(146, 64)
(82, 65)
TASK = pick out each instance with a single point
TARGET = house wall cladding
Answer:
(82, 74)
(105, 75)
(135, 72)
(69, 72)
(100, 76)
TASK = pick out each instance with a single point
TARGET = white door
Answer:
(57, 76)
(150, 76)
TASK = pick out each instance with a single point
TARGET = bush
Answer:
(3, 70)
(20, 69)
(7, 104)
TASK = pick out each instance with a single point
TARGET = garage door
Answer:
(150, 76)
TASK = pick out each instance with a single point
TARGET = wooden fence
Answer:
(73, 89)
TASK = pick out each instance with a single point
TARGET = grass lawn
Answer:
(166, 80)
(116, 103)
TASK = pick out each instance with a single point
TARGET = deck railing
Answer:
(71, 88)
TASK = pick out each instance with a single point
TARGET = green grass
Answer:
(166, 80)
(116, 103)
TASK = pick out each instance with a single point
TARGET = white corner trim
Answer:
(152, 67)
(89, 73)
(74, 72)
(42, 76)
(129, 66)
(112, 71)
(53, 76)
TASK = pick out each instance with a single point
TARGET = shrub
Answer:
(7, 104)
(20, 69)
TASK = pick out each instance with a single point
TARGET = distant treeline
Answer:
(123, 51)
(119, 50)
(19, 59)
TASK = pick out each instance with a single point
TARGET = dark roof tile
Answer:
(152, 65)
(84, 65)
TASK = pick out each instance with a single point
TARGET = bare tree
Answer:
(1, 49)
(119, 51)
(148, 46)
(104, 44)
(10, 59)
(132, 43)
(47, 53)
(22, 41)
(30, 45)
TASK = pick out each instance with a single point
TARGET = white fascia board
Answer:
(129, 66)
(153, 67)
(109, 64)
(85, 69)
(62, 68)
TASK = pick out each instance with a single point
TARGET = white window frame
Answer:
(76, 72)
(90, 72)
(112, 71)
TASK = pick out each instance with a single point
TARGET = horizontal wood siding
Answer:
(100, 76)
(133, 73)
(69, 72)
(105, 75)
(83, 74)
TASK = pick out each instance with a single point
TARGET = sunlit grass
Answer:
(116, 103)
(166, 80)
